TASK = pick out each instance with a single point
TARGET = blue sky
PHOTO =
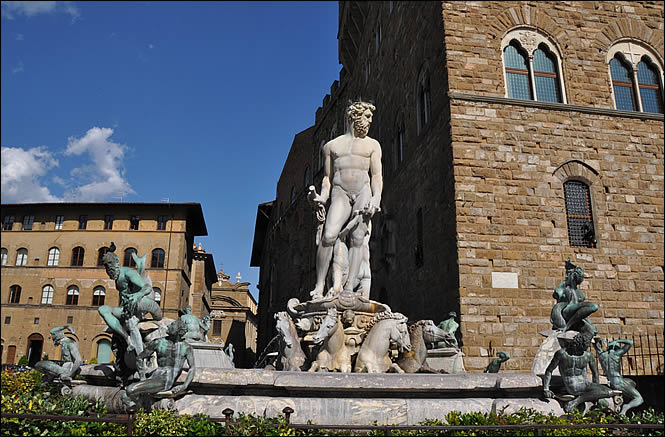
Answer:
(143, 101)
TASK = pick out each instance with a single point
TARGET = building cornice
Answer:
(454, 95)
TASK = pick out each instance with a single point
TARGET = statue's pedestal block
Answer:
(210, 355)
(447, 359)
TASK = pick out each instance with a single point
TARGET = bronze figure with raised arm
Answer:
(610, 361)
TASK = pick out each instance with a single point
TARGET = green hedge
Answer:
(24, 392)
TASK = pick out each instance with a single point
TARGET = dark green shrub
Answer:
(23, 361)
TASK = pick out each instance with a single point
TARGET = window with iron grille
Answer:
(578, 212)
(77, 256)
(108, 222)
(28, 220)
(7, 223)
(134, 223)
(70, 320)
(216, 328)
(161, 222)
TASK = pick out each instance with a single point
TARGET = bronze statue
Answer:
(136, 299)
(70, 355)
(610, 361)
(172, 352)
(572, 363)
(495, 364)
(571, 310)
(449, 325)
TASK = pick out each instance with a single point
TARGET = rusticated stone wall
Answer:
(511, 159)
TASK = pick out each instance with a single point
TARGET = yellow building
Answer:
(52, 273)
(235, 320)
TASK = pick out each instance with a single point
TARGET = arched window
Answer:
(321, 157)
(14, 294)
(532, 67)
(517, 74)
(579, 215)
(622, 84)
(157, 260)
(100, 255)
(423, 101)
(47, 295)
(307, 178)
(77, 256)
(637, 77)
(158, 294)
(53, 256)
(399, 143)
(129, 260)
(98, 296)
(545, 75)
(72, 295)
(293, 196)
(3, 256)
(103, 351)
(650, 93)
(22, 257)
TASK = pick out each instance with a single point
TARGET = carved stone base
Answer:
(210, 355)
(447, 359)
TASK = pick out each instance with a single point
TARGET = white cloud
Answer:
(21, 170)
(11, 9)
(150, 46)
(106, 171)
(18, 68)
(103, 179)
(19, 37)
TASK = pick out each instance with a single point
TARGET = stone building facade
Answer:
(234, 313)
(515, 135)
(52, 273)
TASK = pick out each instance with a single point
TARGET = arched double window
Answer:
(47, 295)
(637, 77)
(98, 296)
(72, 295)
(128, 260)
(53, 256)
(77, 256)
(14, 294)
(532, 67)
(22, 257)
(3, 256)
(157, 260)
